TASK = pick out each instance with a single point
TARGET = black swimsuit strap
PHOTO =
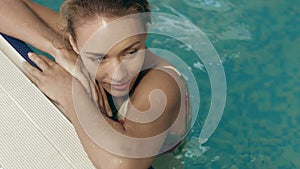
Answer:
(110, 98)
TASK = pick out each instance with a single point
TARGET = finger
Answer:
(100, 100)
(38, 61)
(85, 82)
(93, 87)
(105, 102)
(34, 79)
(81, 76)
(84, 77)
(31, 71)
(47, 60)
(92, 84)
(99, 97)
(101, 105)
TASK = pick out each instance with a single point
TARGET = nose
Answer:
(118, 71)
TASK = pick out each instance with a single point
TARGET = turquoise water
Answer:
(258, 43)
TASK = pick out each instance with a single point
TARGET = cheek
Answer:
(100, 74)
(135, 65)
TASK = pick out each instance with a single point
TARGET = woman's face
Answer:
(113, 53)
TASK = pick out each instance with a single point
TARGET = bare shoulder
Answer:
(157, 97)
(157, 79)
(157, 100)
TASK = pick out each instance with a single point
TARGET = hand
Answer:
(54, 81)
(70, 61)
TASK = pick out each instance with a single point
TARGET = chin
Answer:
(116, 93)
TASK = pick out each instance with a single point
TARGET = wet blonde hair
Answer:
(76, 11)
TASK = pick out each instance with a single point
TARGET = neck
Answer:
(119, 100)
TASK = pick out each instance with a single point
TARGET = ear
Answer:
(73, 44)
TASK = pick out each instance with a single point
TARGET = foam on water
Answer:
(233, 30)
(210, 5)
(199, 65)
(195, 152)
(236, 31)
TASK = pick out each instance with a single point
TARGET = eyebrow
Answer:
(102, 55)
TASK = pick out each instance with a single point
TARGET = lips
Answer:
(120, 87)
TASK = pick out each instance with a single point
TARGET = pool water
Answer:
(259, 45)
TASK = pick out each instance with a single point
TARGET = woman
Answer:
(125, 81)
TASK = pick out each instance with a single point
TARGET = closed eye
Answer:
(95, 56)
(131, 53)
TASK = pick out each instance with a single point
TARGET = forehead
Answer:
(101, 34)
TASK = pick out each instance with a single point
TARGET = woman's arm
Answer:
(19, 21)
(100, 135)
(47, 15)
(33, 24)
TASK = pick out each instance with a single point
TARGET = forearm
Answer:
(92, 129)
(19, 21)
(47, 15)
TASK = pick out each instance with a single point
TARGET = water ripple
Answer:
(210, 5)
(236, 31)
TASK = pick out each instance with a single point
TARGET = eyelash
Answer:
(132, 53)
(97, 59)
